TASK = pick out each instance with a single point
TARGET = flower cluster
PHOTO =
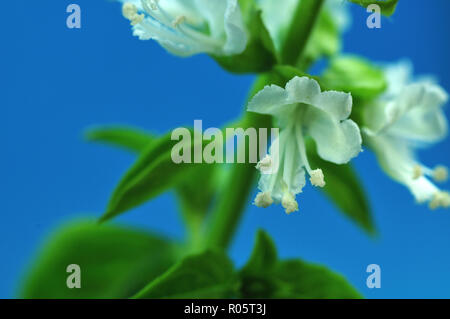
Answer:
(407, 116)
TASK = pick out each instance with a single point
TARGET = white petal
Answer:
(269, 100)
(419, 114)
(397, 160)
(337, 104)
(337, 142)
(302, 90)
(397, 76)
(234, 29)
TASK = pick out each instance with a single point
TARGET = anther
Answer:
(178, 21)
(265, 164)
(263, 199)
(417, 172)
(289, 203)
(317, 178)
(440, 173)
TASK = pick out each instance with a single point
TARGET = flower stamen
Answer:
(417, 172)
(130, 12)
(289, 203)
(316, 176)
(263, 199)
(440, 173)
(440, 200)
(179, 20)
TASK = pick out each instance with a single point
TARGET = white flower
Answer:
(303, 110)
(277, 16)
(408, 116)
(188, 27)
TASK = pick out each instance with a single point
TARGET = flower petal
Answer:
(235, 30)
(337, 104)
(269, 100)
(397, 160)
(419, 114)
(337, 142)
(302, 90)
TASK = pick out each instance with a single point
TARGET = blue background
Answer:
(56, 82)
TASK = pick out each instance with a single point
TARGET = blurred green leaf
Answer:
(298, 279)
(207, 275)
(264, 276)
(344, 189)
(129, 138)
(115, 262)
(260, 54)
(194, 202)
(153, 173)
(355, 75)
(387, 6)
(264, 255)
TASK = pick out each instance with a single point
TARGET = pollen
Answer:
(265, 164)
(289, 203)
(179, 20)
(440, 173)
(440, 200)
(317, 178)
(130, 11)
(417, 172)
(263, 200)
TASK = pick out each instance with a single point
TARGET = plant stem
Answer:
(231, 204)
(305, 17)
(237, 187)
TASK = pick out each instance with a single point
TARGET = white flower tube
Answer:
(303, 110)
(406, 117)
(188, 27)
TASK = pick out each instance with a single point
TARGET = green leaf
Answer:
(260, 54)
(264, 276)
(264, 255)
(194, 203)
(153, 173)
(355, 75)
(345, 190)
(207, 275)
(131, 139)
(298, 279)
(387, 6)
(115, 262)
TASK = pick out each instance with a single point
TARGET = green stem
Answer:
(237, 188)
(230, 207)
(305, 17)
